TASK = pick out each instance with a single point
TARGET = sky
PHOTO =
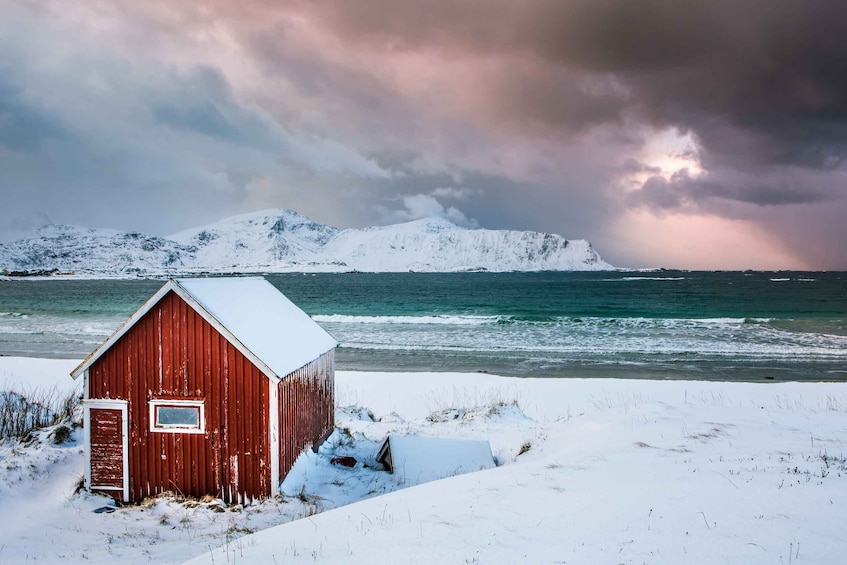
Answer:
(698, 135)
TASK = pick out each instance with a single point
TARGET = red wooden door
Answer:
(107, 449)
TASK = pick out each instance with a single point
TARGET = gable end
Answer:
(176, 288)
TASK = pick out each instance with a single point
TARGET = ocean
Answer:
(735, 326)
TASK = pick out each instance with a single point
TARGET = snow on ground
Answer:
(599, 470)
(415, 459)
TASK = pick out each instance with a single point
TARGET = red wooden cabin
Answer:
(214, 386)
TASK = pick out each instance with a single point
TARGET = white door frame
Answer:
(108, 404)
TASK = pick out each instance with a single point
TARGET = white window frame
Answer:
(200, 405)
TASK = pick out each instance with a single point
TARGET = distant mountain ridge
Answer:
(286, 241)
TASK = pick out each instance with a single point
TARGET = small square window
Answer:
(177, 416)
(182, 416)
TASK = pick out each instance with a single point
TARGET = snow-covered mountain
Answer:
(260, 240)
(284, 241)
(72, 249)
(436, 244)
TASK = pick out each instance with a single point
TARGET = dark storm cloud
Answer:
(23, 125)
(757, 82)
(630, 166)
(542, 114)
(759, 86)
(683, 190)
(199, 101)
(121, 138)
(112, 166)
(205, 95)
(543, 97)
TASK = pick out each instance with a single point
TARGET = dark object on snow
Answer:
(104, 510)
(60, 435)
(345, 461)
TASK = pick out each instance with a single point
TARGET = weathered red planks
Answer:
(172, 352)
(307, 409)
(106, 448)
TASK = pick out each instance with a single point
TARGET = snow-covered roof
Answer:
(419, 459)
(260, 321)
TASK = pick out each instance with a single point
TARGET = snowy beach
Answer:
(400, 282)
(589, 470)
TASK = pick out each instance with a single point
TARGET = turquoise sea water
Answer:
(668, 324)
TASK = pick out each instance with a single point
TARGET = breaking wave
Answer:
(534, 320)
(621, 339)
(646, 279)
(456, 320)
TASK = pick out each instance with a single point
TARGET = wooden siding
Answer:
(107, 469)
(307, 409)
(172, 352)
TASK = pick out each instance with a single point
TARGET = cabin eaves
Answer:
(261, 322)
